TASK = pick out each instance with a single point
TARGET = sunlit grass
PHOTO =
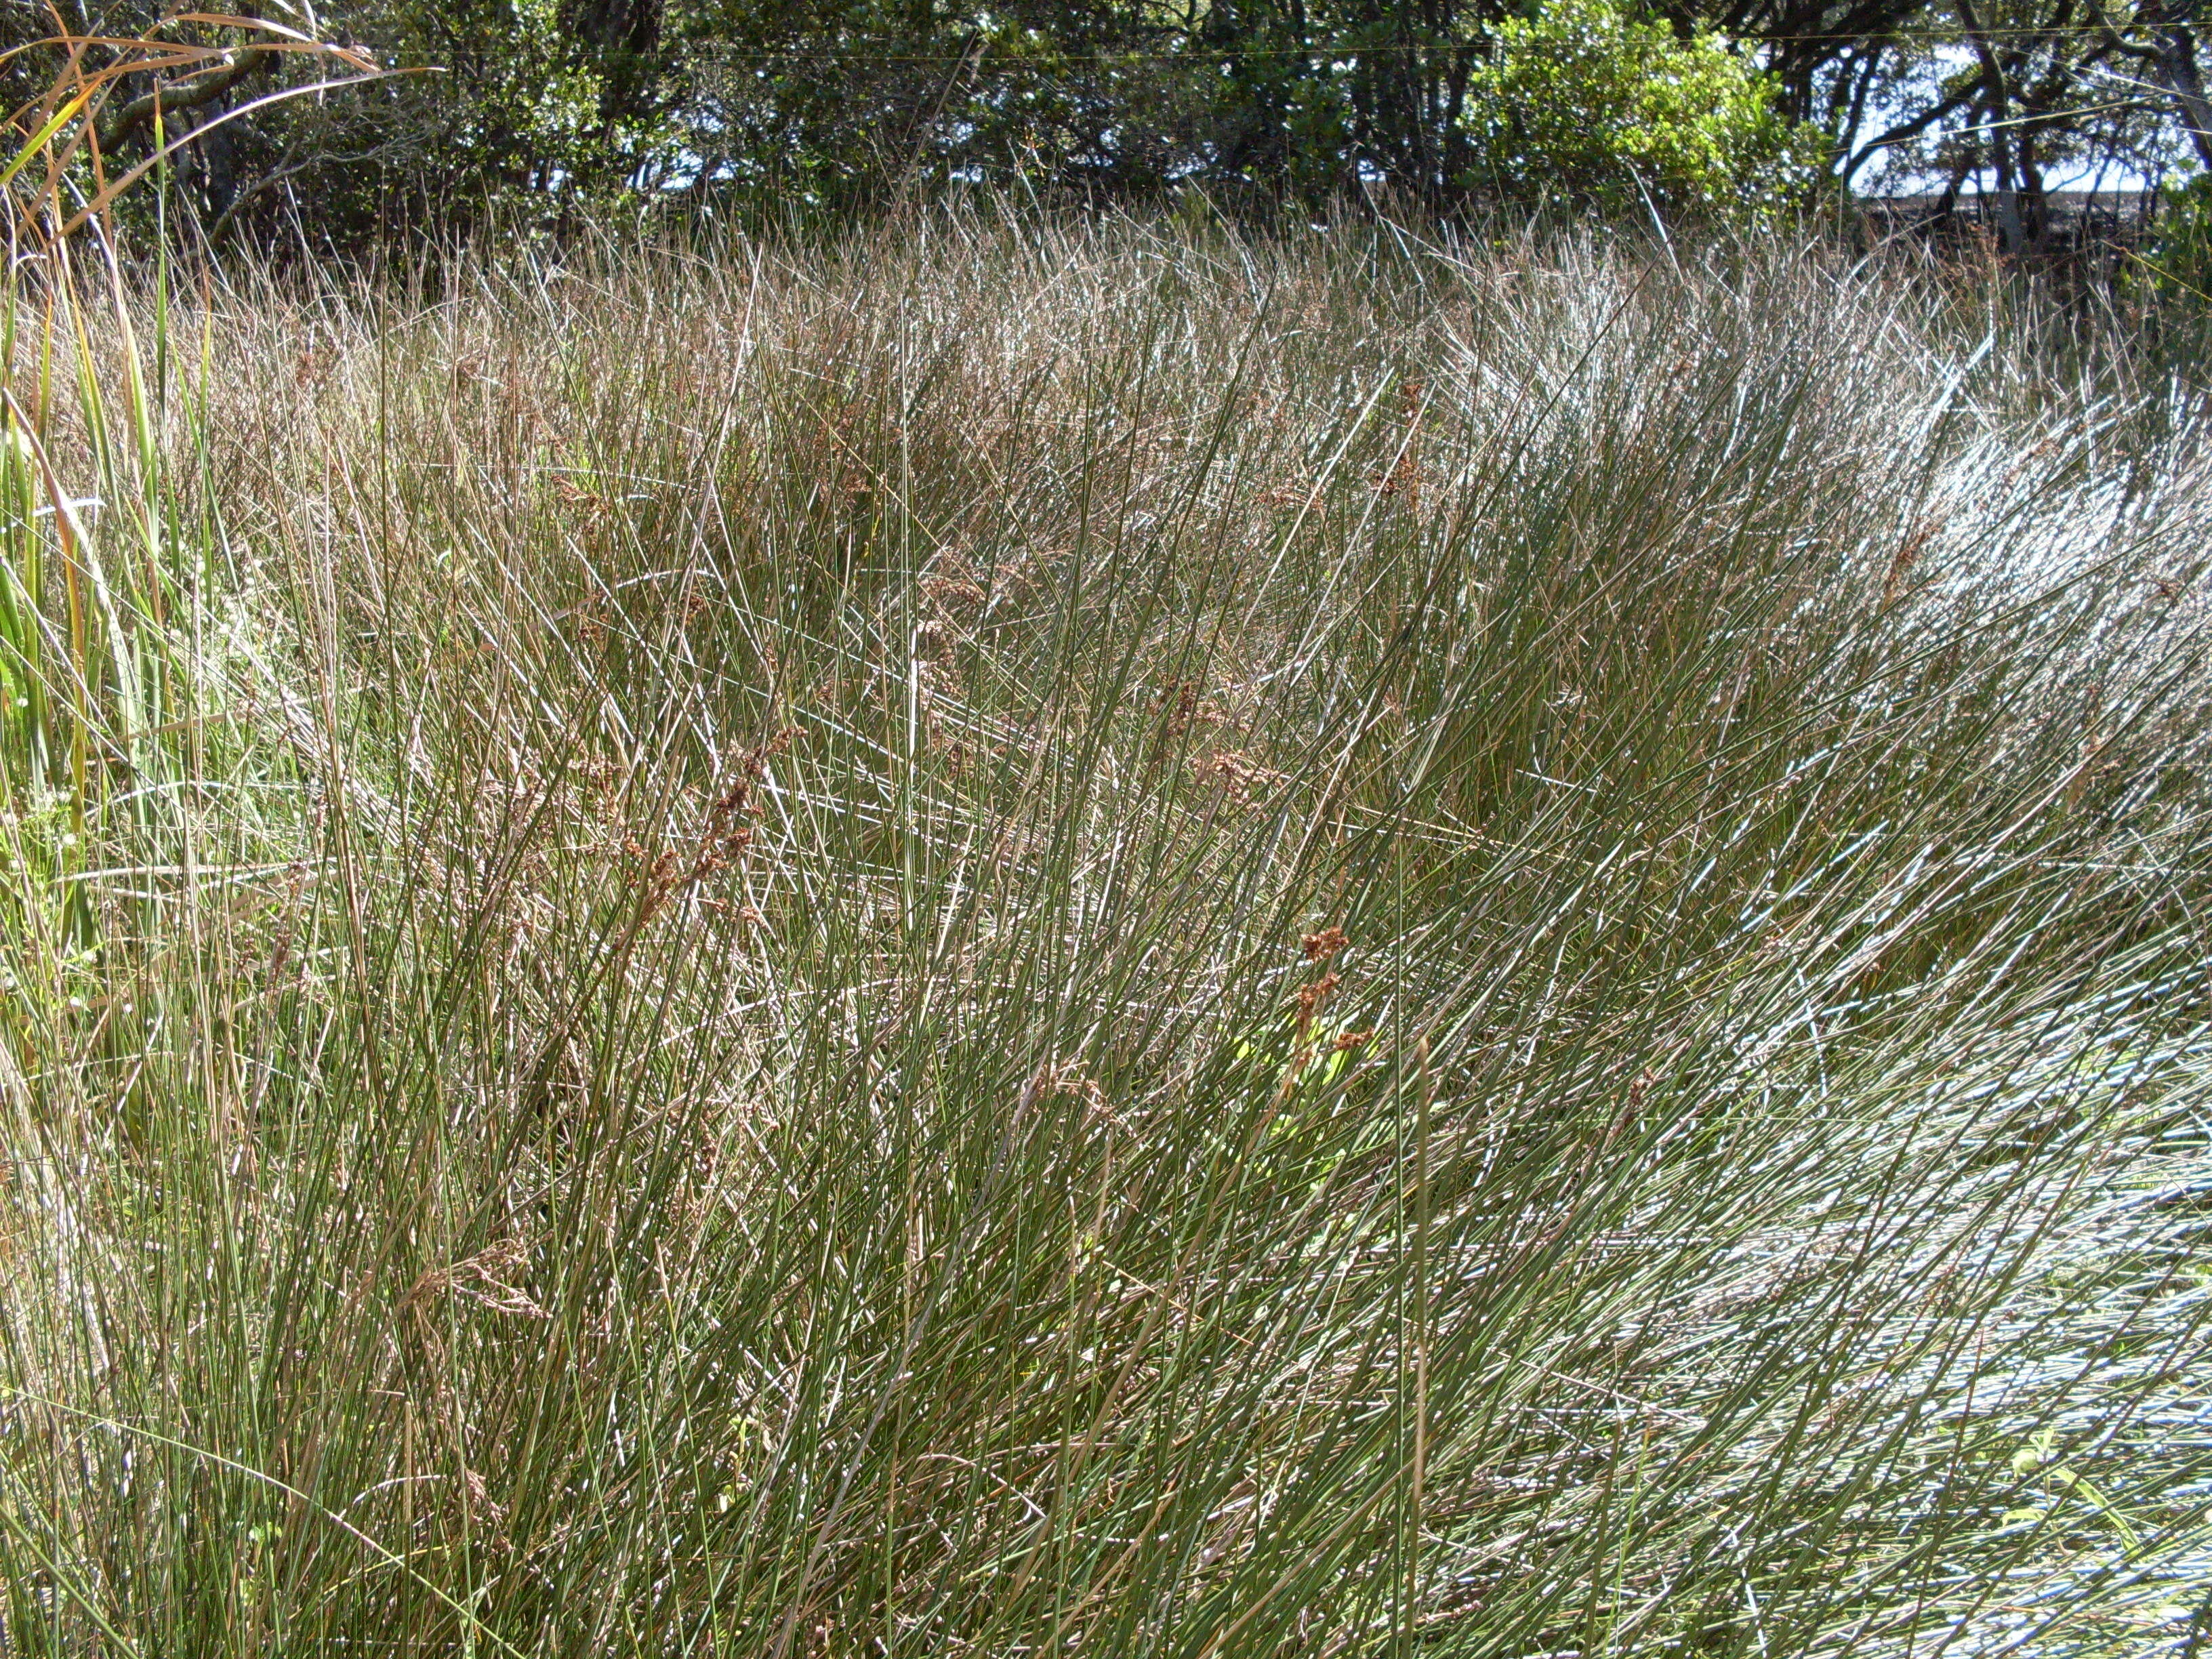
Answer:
(1024, 937)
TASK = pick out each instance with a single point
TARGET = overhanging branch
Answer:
(176, 95)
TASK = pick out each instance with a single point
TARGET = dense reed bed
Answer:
(1047, 939)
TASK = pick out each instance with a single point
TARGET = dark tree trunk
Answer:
(2174, 37)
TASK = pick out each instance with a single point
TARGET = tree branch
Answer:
(1904, 130)
(180, 95)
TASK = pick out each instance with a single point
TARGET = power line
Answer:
(1109, 58)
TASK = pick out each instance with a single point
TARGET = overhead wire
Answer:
(1108, 56)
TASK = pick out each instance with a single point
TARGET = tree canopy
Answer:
(554, 108)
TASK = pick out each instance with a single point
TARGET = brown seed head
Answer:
(1312, 998)
(1319, 947)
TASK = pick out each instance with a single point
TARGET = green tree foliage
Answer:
(490, 100)
(544, 110)
(1584, 99)
(2177, 263)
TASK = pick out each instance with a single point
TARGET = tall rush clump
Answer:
(102, 571)
(1034, 938)
(114, 717)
